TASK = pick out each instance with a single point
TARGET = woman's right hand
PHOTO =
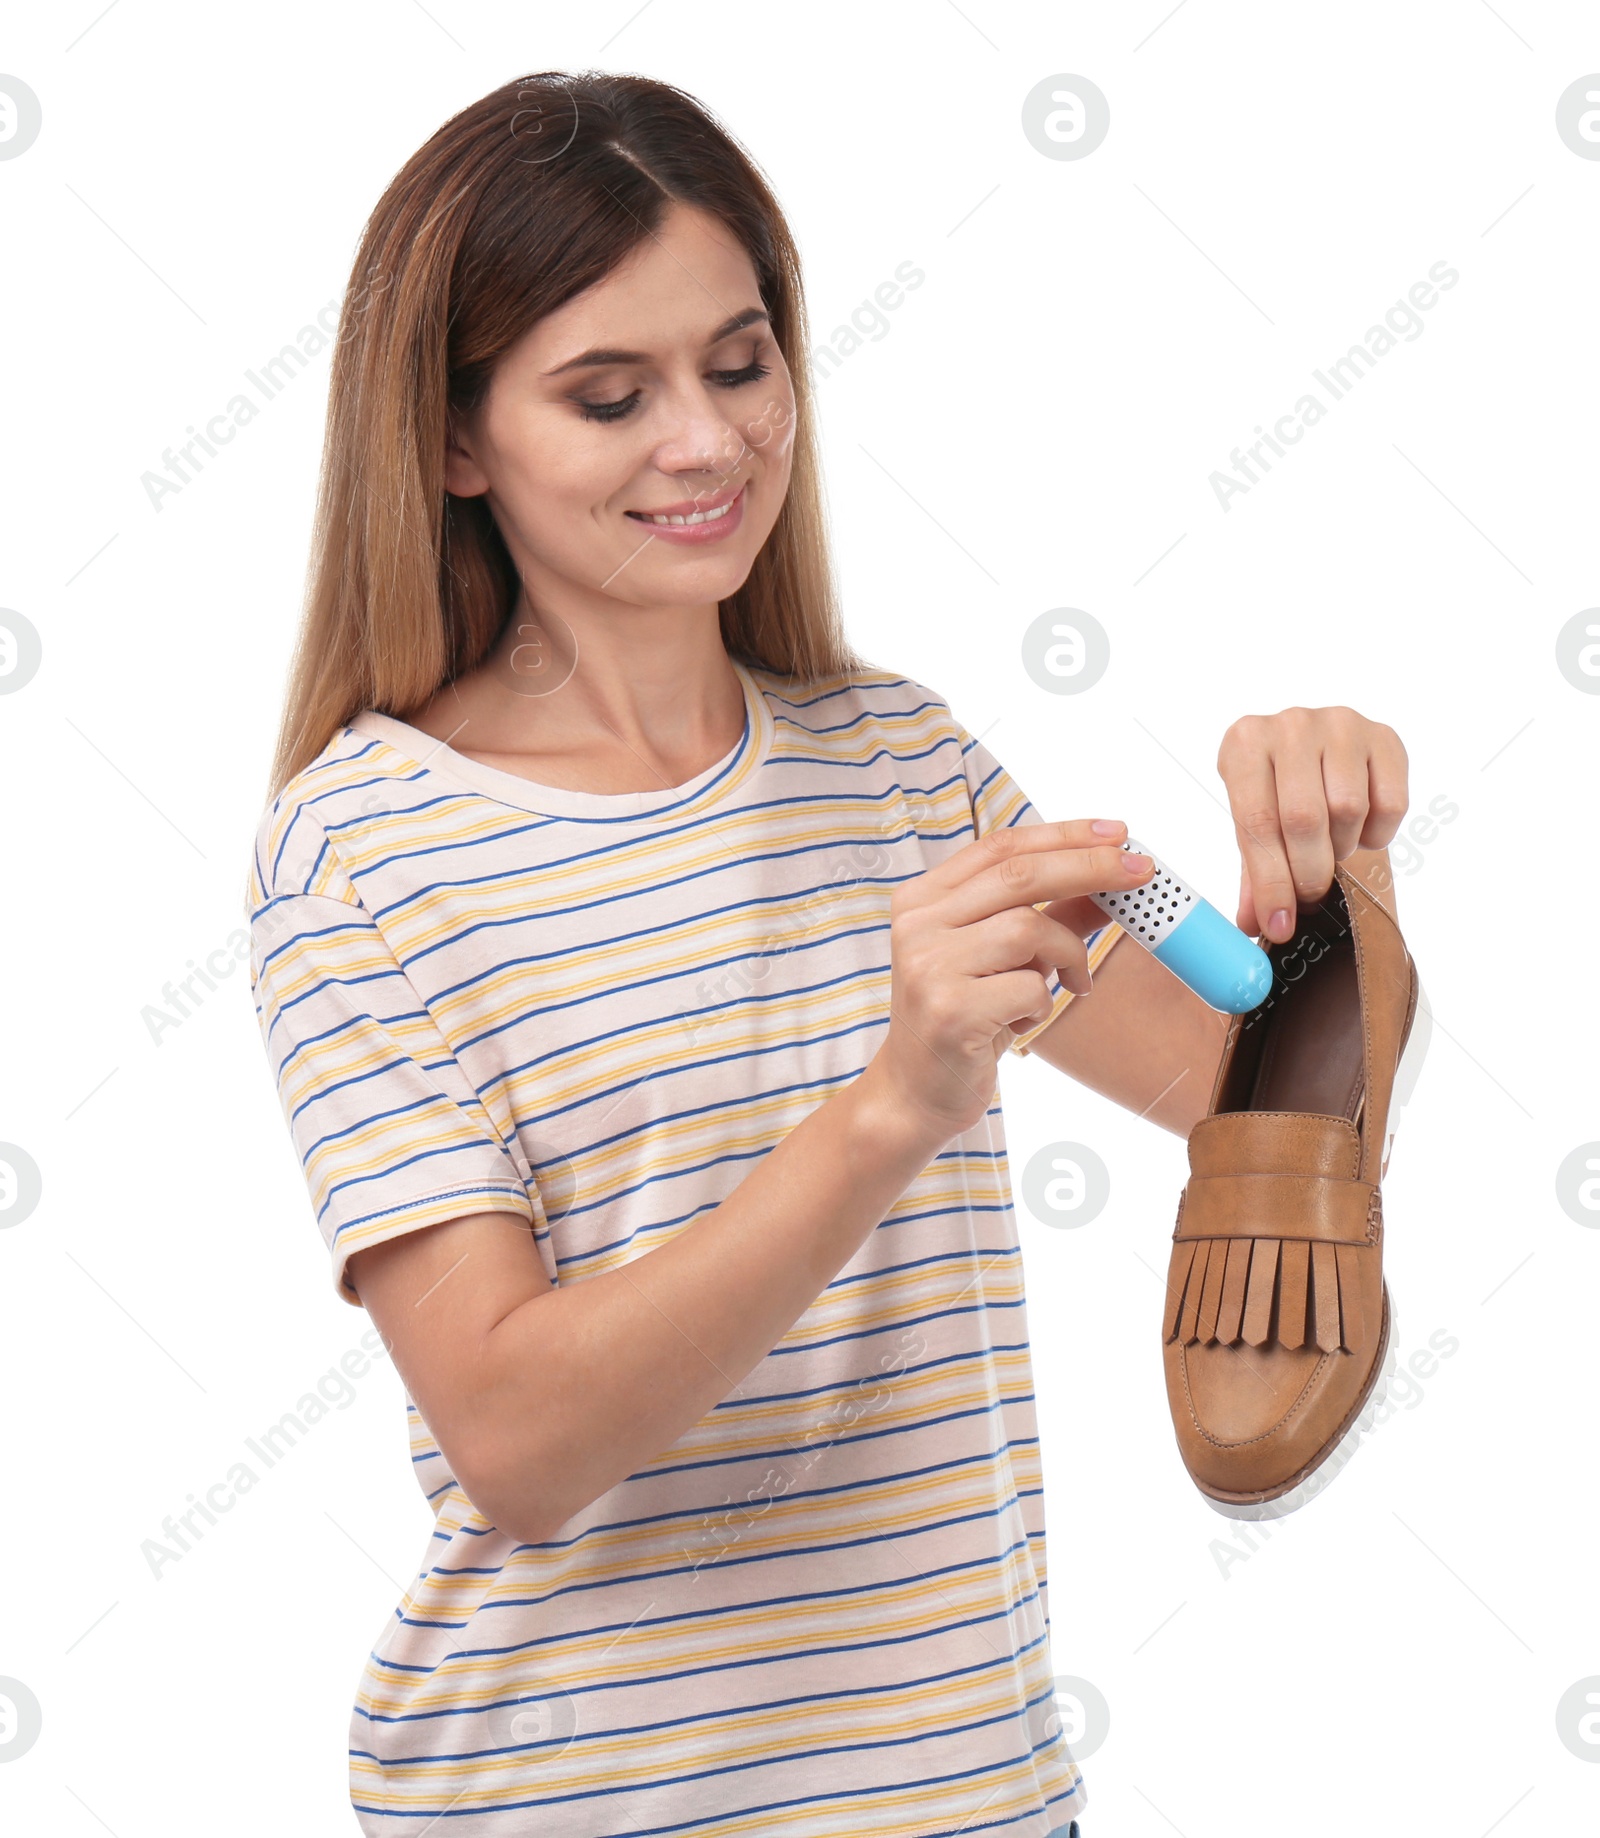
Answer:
(969, 953)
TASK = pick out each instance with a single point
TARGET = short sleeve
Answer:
(390, 1132)
(998, 802)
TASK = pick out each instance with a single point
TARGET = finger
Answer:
(1074, 975)
(1247, 920)
(1038, 876)
(1388, 788)
(1079, 913)
(1022, 938)
(1012, 1000)
(1345, 781)
(1253, 800)
(1303, 819)
(996, 846)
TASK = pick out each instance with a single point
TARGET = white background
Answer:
(1034, 429)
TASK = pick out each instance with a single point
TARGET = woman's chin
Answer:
(683, 580)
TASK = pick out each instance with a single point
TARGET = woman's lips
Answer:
(694, 534)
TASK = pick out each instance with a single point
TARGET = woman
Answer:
(634, 961)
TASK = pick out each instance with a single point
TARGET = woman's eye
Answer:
(608, 411)
(734, 379)
(752, 372)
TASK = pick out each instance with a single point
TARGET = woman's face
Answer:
(659, 390)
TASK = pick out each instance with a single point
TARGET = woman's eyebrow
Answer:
(604, 355)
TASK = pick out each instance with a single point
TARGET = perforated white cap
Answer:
(1152, 910)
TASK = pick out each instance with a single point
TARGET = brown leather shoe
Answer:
(1279, 1333)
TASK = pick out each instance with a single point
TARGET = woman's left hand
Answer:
(1306, 787)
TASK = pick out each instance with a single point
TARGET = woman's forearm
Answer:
(1140, 1038)
(584, 1383)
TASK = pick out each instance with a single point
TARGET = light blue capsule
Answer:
(1222, 966)
(1190, 937)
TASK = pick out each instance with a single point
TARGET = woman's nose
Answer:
(699, 437)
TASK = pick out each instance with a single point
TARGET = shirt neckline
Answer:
(423, 753)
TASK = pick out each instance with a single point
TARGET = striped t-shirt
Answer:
(823, 1610)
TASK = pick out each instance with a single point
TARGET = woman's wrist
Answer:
(890, 1126)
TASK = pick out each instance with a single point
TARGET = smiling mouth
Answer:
(665, 520)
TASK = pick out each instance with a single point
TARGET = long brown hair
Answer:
(515, 205)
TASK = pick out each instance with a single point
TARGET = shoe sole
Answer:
(1311, 1480)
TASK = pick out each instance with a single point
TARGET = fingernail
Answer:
(1136, 864)
(1105, 826)
(1280, 925)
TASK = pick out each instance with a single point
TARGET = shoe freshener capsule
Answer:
(1186, 933)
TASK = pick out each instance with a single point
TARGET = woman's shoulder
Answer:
(866, 692)
(351, 783)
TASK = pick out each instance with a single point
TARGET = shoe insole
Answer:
(1311, 1059)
